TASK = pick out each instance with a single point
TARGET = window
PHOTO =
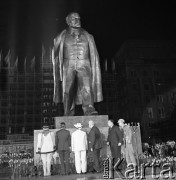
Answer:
(2, 130)
(29, 111)
(173, 98)
(54, 110)
(137, 112)
(150, 112)
(159, 98)
(21, 87)
(12, 111)
(132, 73)
(37, 111)
(136, 99)
(145, 73)
(146, 87)
(155, 73)
(147, 99)
(135, 87)
(161, 112)
(3, 112)
(3, 120)
(4, 103)
(45, 111)
(19, 129)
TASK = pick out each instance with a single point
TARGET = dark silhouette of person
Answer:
(63, 147)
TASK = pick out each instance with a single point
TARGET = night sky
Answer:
(26, 24)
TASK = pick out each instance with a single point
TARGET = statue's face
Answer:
(73, 20)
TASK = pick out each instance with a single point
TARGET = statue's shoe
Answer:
(94, 113)
(90, 113)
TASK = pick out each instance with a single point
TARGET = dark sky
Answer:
(26, 24)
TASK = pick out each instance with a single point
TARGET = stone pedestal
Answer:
(100, 122)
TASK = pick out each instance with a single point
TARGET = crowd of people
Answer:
(82, 143)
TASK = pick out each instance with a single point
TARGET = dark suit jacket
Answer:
(94, 136)
(115, 136)
(63, 140)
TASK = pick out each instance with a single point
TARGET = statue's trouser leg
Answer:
(69, 80)
(84, 82)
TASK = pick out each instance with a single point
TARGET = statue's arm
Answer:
(57, 42)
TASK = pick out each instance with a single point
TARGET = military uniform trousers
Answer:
(129, 154)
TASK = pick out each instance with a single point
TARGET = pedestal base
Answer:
(100, 121)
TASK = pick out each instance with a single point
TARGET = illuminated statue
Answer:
(76, 68)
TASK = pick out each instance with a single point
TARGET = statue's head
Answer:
(73, 20)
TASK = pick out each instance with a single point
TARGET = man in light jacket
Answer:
(46, 147)
(79, 147)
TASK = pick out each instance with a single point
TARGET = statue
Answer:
(76, 69)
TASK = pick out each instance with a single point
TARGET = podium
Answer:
(100, 121)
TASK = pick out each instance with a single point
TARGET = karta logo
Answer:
(110, 168)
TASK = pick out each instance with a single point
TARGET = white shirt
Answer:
(47, 143)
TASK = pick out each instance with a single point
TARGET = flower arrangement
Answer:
(21, 164)
(160, 154)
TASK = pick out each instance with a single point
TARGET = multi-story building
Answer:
(26, 96)
(146, 70)
(20, 101)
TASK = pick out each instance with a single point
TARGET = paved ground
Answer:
(89, 176)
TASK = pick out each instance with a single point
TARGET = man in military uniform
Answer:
(129, 151)
(76, 64)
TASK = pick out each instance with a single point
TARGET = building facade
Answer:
(146, 70)
(20, 101)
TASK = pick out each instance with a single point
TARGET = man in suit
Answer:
(79, 147)
(63, 144)
(95, 144)
(114, 140)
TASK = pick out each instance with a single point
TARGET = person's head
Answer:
(45, 127)
(121, 122)
(91, 124)
(62, 125)
(73, 20)
(110, 122)
(78, 125)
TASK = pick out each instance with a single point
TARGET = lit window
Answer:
(159, 98)
(132, 73)
(161, 112)
(150, 112)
